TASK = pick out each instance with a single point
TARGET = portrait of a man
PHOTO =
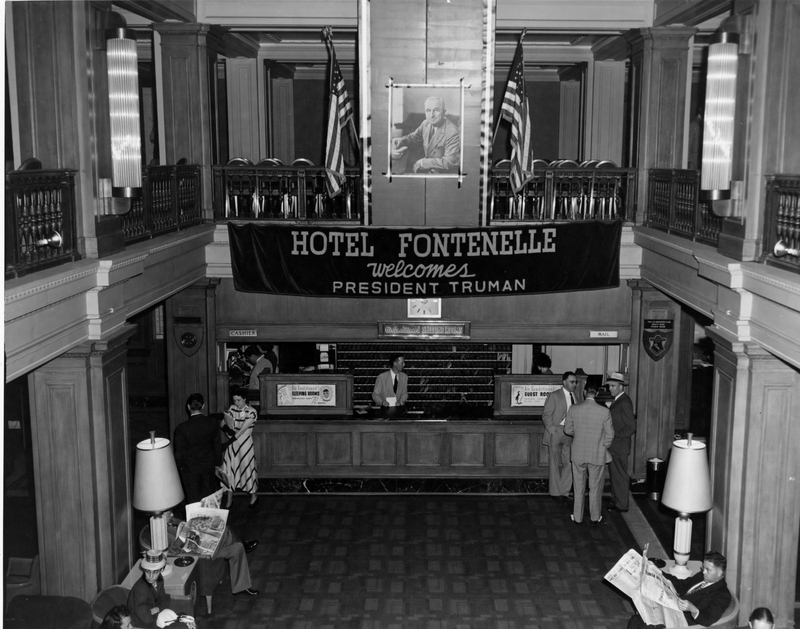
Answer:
(429, 146)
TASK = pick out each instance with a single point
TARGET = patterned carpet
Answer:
(423, 561)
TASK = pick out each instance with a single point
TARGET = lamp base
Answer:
(680, 571)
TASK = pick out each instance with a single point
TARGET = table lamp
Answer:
(687, 489)
(156, 486)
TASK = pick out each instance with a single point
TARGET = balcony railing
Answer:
(284, 193)
(674, 206)
(564, 193)
(171, 200)
(782, 221)
(40, 220)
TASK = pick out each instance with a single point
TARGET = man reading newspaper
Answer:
(663, 600)
(206, 533)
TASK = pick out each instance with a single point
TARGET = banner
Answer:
(364, 262)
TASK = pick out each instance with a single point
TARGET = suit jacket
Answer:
(712, 601)
(555, 409)
(142, 598)
(442, 150)
(384, 388)
(590, 424)
(624, 423)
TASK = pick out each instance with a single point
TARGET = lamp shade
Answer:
(156, 484)
(687, 488)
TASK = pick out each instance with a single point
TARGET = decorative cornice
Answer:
(11, 297)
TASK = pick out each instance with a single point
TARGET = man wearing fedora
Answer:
(147, 597)
(624, 424)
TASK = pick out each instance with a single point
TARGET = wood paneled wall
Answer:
(553, 318)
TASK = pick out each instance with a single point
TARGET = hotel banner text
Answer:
(416, 262)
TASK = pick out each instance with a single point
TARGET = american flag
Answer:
(515, 110)
(340, 111)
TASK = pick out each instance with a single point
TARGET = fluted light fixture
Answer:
(687, 490)
(123, 105)
(156, 486)
(718, 120)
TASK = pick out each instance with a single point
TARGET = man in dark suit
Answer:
(440, 139)
(554, 416)
(703, 597)
(392, 384)
(624, 422)
(590, 425)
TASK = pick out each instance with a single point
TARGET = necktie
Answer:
(571, 399)
(696, 587)
(396, 378)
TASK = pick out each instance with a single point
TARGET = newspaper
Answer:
(204, 526)
(653, 595)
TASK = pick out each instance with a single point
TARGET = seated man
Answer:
(147, 596)
(704, 597)
(233, 550)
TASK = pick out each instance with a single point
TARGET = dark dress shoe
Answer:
(250, 545)
(249, 592)
(598, 521)
(574, 521)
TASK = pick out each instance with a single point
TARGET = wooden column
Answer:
(755, 463)
(607, 108)
(188, 52)
(281, 100)
(246, 123)
(81, 451)
(659, 65)
(654, 384)
(191, 356)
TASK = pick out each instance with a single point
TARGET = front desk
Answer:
(458, 440)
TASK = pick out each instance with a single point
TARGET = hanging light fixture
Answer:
(123, 106)
(718, 121)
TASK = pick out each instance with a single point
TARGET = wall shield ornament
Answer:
(657, 337)
(188, 333)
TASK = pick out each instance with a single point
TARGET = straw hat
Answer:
(153, 560)
(618, 377)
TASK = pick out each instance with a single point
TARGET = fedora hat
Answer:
(616, 376)
(153, 560)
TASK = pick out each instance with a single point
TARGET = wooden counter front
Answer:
(342, 448)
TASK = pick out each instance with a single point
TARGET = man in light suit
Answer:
(624, 422)
(440, 139)
(392, 383)
(589, 423)
(554, 416)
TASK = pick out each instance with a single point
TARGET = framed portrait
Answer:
(426, 134)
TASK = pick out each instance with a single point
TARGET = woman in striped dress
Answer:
(239, 461)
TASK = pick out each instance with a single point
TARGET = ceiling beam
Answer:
(160, 10)
(689, 12)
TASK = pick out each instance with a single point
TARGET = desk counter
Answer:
(385, 443)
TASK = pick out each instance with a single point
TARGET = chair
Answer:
(567, 163)
(22, 577)
(239, 161)
(270, 161)
(182, 162)
(48, 612)
(605, 164)
(539, 163)
(32, 163)
(302, 162)
(105, 600)
(729, 619)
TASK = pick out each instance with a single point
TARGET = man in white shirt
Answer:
(391, 385)
(260, 365)
(554, 415)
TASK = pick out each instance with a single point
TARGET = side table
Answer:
(181, 585)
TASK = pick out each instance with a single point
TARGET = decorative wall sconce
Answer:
(718, 121)
(123, 106)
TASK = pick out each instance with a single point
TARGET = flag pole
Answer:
(497, 126)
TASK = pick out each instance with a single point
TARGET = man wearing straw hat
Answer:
(624, 423)
(147, 597)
